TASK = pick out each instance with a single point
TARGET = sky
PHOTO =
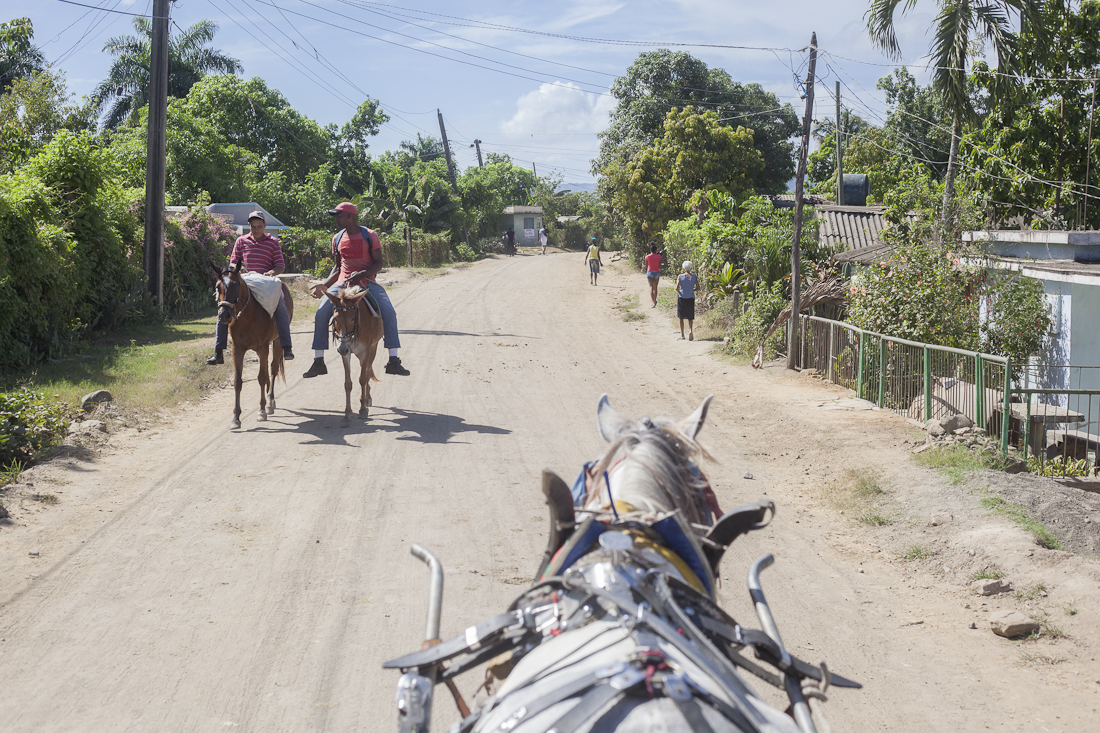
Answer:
(529, 79)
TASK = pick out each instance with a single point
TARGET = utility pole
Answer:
(477, 144)
(793, 340)
(839, 153)
(155, 152)
(450, 168)
(534, 170)
(1088, 158)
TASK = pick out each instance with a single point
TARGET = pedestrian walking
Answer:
(544, 237)
(687, 284)
(653, 272)
(592, 257)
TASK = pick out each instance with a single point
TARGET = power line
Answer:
(607, 41)
(95, 7)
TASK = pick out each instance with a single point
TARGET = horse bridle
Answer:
(353, 335)
(232, 295)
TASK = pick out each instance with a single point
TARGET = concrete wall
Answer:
(517, 221)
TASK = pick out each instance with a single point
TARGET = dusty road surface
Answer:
(197, 579)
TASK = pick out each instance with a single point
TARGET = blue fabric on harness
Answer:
(673, 535)
(582, 545)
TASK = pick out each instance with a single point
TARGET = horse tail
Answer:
(278, 365)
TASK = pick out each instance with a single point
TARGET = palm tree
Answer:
(958, 24)
(18, 56)
(189, 58)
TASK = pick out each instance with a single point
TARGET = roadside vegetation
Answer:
(859, 494)
(1022, 519)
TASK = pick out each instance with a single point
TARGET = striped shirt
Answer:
(261, 256)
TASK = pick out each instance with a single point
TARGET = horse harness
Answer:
(337, 310)
(652, 607)
(232, 295)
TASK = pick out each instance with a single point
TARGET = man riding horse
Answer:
(261, 253)
(358, 255)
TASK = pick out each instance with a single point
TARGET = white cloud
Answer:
(559, 108)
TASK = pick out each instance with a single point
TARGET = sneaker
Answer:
(317, 369)
(288, 354)
(215, 359)
(393, 366)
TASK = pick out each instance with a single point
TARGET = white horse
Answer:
(621, 630)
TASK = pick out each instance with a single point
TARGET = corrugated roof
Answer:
(854, 232)
(786, 200)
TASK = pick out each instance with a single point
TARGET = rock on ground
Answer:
(1011, 623)
(990, 587)
(90, 400)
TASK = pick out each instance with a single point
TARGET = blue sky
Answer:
(539, 96)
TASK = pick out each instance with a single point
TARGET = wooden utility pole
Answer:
(155, 153)
(839, 153)
(477, 144)
(451, 168)
(534, 170)
(793, 340)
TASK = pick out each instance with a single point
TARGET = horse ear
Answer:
(610, 421)
(217, 272)
(237, 267)
(693, 423)
(335, 299)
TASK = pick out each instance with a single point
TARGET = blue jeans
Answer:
(390, 338)
(282, 323)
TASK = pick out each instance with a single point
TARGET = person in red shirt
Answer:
(260, 252)
(358, 255)
(653, 272)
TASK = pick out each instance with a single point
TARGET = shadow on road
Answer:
(415, 332)
(325, 427)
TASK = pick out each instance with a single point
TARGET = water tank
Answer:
(857, 187)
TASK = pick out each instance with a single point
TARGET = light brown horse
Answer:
(356, 331)
(252, 328)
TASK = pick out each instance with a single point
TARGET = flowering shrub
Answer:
(921, 293)
(193, 243)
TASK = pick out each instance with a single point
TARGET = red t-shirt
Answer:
(354, 252)
(653, 262)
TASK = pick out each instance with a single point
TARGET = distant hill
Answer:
(590, 187)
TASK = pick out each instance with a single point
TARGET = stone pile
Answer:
(961, 430)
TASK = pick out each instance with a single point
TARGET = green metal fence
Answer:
(920, 381)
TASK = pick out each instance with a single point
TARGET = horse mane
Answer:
(659, 467)
(352, 294)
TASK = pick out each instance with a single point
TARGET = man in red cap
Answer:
(261, 253)
(358, 254)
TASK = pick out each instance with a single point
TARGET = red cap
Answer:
(346, 207)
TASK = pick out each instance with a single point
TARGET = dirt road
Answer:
(198, 579)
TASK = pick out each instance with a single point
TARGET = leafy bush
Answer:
(570, 235)
(323, 268)
(762, 308)
(193, 243)
(83, 181)
(303, 249)
(920, 293)
(462, 252)
(30, 424)
(1017, 321)
(725, 313)
(37, 310)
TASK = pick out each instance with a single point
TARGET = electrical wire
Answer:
(95, 7)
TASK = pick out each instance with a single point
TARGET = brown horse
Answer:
(356, 331)
(252, 328)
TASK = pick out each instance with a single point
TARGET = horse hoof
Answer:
(345, 423)
(271, 410)
(363, 414)
(235, 425)
(262, 417)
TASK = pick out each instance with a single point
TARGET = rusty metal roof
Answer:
(844, 228)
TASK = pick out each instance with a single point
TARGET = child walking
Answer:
(687, 284)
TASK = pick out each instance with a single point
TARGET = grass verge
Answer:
(916, 552)
(989, 572)
(956, 461)
(859, 494)
(1023, 520)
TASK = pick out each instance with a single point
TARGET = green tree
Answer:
(259, 119)
(32, 111)
(348, 145)
(960, 24)
(1038, 132)
(126, 88)
(19, 57)
(694, 155)
(487, 189)
(660, 80)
